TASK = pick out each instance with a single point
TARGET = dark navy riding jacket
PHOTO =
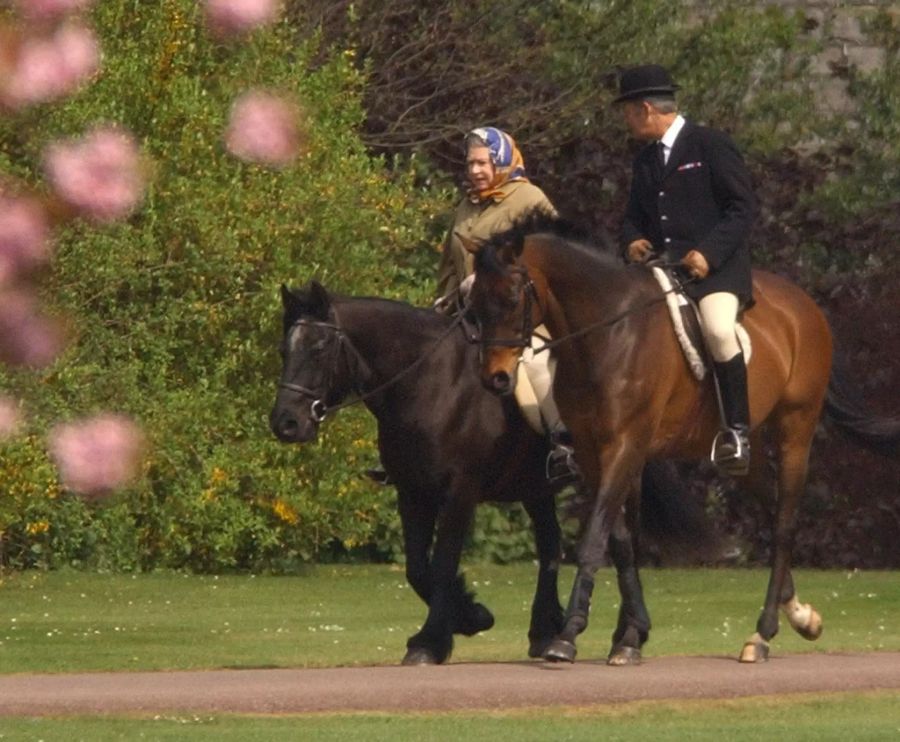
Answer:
(702, 200)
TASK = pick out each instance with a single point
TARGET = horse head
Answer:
(508, 304)
(311, 355)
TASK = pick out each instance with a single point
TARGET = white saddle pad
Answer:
(676, 300)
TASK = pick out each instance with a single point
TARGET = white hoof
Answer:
(756, 649)
(804, 619)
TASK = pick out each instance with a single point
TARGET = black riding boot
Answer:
(561, 466)
(731, 450)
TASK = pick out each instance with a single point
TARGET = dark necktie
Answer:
(661, 155)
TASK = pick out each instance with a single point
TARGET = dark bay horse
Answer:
(446, 443)
(627, 395)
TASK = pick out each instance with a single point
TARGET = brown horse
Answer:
(626, 393)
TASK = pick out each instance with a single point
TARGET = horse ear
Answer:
(287, 296)
(319, 302)
(472, 246)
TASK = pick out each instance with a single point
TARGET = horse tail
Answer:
(845, 408)
(674, 523)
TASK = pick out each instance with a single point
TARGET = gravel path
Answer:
(453, 686)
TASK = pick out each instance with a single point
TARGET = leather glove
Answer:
(639, 251)
(696, 264)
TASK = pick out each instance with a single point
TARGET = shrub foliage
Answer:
(174, 314)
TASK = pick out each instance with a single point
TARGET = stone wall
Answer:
(841, 28)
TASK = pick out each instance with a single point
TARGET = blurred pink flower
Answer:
(263, 128)
(96, 455)
(27, 338)
(24, 237)
(99, 174)
(234, 17)
(43, 68)
(49, 9)
(10, 417)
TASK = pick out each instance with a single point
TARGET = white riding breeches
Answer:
(534, 385)
(718, 317)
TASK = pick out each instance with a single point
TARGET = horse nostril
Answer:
(500, 381)
(288, 428)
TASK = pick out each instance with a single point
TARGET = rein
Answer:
(318, 409)
(552, 343)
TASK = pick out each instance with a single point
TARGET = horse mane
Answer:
(598, 245)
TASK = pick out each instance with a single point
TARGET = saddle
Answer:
(686, 321)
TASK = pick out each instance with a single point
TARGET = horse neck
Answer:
(387, 337)
(580, 288)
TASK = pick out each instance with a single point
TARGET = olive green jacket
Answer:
(481, 221)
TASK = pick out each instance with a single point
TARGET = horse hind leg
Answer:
(796, 435)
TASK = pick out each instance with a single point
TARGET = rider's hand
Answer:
(639, 251)
(696, 264)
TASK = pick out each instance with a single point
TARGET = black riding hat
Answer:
(646, 80)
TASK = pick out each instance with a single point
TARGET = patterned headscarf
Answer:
(509, 165)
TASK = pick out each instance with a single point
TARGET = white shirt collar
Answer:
(668, 139)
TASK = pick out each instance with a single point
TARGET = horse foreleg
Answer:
(447, 609)
(633, 627)
(805, 619)
(417, 517)
(546, 612)
(618, 467)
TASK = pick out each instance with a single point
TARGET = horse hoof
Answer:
(537, 647)
(475, 620)
(813, 630)
(416, 656)
(755, 652)
(622, 656)
(560, 650)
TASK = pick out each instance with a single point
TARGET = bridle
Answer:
(529, 298)
(318, 408)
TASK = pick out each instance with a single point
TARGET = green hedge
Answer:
(175, 314)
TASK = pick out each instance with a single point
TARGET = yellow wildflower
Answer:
(38, 527)
(285, 512)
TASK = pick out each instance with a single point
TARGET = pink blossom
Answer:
(263, 128)
(45, 68)
(24, 233)
(27, 338)
(10, 417)
(99, 174)
(96, 455)
(49, 9)
(234, 17)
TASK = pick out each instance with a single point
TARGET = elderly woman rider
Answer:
(499, 194)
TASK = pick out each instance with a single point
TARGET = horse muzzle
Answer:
(499, 382)
(290, 428)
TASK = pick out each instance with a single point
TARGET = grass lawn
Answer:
(842, 717)
(361, 615)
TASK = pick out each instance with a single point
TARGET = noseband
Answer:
(318, 409)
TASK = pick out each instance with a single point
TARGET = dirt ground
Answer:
(454, 686)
